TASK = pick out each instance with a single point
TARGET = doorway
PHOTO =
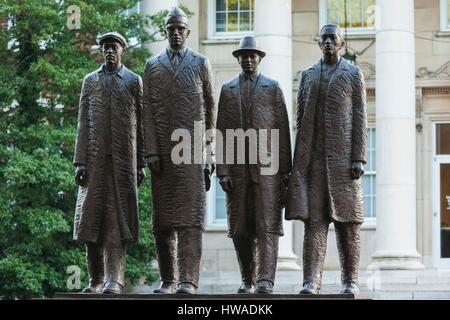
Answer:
(441, 195)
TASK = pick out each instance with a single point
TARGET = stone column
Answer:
(150, 7)
(273, 29)
(396, 137)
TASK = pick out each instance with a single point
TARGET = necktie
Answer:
(175, 59)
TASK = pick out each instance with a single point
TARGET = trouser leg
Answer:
(114, 251)
(314, 249)
(94, 257)
(115, 261)
(349, 243)
(245, 252)
(189, 254)
(267, 255)
(165, 242)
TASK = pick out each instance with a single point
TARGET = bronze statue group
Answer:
(125, 124)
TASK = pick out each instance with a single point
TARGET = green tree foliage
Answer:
(42, 65)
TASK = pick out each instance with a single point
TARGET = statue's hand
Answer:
(284, 188)
(154, 163)
(140, 176)
(209, 170)
(210, 167)
(284, 180)
(81, 175)
(226, 183)
(357, 170)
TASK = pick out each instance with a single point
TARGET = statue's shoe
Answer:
(186, 287)
(165, 288)
(112, 287)
(245, 288)
(310, 288)
(350, 288)
(92, 289)
(264, 286)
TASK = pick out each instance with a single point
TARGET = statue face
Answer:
(177, 32)
(330, 41)
(112, 52)
(249, 61)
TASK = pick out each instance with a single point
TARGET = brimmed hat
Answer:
(176, 13)
(248, 43)
(113, 35)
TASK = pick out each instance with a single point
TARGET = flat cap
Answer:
(115, 36)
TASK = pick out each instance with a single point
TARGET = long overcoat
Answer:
(267, 110)
(124, 101)
(345, 118)
(176, 99)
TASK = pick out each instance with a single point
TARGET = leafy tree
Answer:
(42, 65)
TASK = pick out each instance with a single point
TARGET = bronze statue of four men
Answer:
(126, 124)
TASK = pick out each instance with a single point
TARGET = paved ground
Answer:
(386, 284)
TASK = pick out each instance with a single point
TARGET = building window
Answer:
(368, 180)
(135, 9)
(445, 15)
(133, 41)
(230, 18)
(360, 15)
(216, 206)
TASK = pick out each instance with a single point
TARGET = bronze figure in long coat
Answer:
(178, 92)
(330, 149)
(252, 101)
(109, 155)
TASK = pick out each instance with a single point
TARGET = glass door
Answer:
(441, 229)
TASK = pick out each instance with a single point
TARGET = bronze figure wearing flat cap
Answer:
(330, 151)
(252, 101)
(109, 156)
(178, 92)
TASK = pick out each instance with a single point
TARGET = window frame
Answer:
(323, 19)
(372, 173)
(443, 8)
(213, 35)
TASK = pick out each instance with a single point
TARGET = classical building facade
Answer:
(403, 48)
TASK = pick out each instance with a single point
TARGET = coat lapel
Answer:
(315, 77)
(165, 60)
(342, 68)
(187, 60)
(236, 92)
(260, 85)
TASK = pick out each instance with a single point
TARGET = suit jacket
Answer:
(124, 101)
(267, 110)
(345, 142)
(175, 99)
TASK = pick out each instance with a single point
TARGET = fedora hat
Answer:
(248, 43)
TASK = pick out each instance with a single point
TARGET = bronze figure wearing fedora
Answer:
(178, 92)
(254, 200)
(330, 151)
(109, 156)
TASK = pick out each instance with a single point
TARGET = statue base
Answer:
(225, 297)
